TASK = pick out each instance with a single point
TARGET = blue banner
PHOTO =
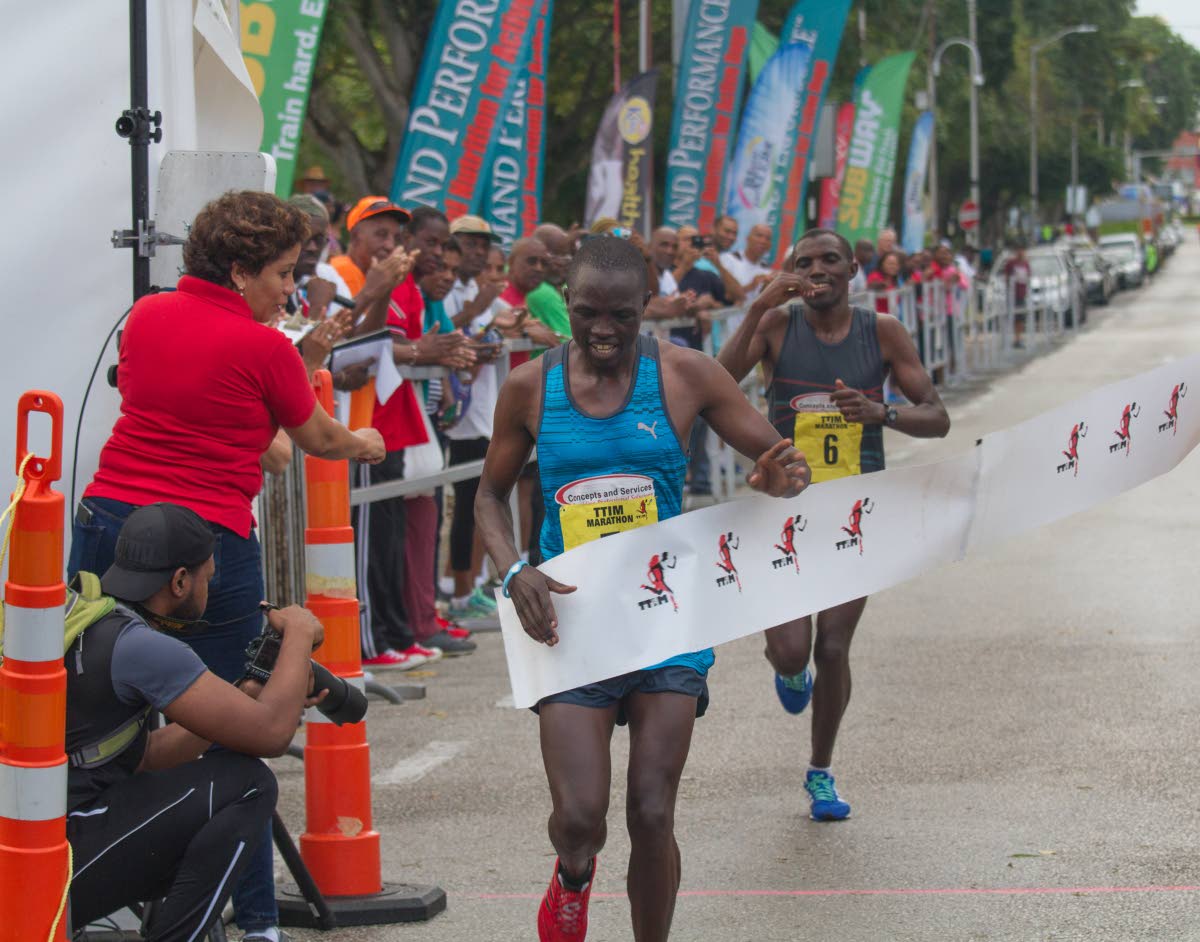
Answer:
(708, 89)
(913, 236)
(758, 173)
(512, 201)
(474, 57)
(819, 23)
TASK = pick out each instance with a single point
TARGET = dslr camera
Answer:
(344, 703)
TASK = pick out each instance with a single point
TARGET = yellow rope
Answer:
(17, 495)
(62, 903)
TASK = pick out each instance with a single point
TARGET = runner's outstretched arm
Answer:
(512, 442)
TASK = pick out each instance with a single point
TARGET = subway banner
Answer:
(279, 47)
(831, 187)
(468, 78)
(512, 201)
(708, 90)
(912, 238)
(867, 187)
(723, 572)
(819, 23)
(621, 179)
(764, 154)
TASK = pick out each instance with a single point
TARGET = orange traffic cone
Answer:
(34, 855)
(340, 845)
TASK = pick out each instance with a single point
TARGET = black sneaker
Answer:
(449, 645)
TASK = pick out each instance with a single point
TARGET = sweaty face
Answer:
(725, 233)
(606, 315)
(431, 240)
(268, 291)
(821, 259)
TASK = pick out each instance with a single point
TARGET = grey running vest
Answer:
(800, 405)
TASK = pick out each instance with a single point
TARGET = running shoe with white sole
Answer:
(826, 804)
(563, 915)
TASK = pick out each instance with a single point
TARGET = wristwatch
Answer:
(890, 416)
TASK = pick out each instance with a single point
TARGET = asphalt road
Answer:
(1020, 751)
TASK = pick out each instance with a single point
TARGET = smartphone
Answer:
(699, 242)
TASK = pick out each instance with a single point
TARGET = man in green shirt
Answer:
(545, 302)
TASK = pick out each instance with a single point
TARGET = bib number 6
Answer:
(831, 449)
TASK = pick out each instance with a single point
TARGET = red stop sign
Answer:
(968, 215)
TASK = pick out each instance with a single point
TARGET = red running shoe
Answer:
(453, 630)
(562, 917)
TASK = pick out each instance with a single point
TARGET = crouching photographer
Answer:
(158, 814)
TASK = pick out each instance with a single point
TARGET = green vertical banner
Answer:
(708, 91)
(279, 47)
(871, 164)
(512, 201)
(474, 57)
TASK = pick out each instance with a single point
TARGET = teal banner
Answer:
(819, 23)
(867, 188)
(279, 47)
(474, 57)
(512, 201)
(708, 90)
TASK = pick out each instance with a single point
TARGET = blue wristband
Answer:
(512, 571)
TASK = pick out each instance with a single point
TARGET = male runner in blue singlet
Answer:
(826, 363)
(609, 412)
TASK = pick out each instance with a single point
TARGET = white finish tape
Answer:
(658, 591)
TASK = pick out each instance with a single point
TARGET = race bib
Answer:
(832, 446)
(591, 508)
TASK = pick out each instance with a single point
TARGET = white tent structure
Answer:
(65, 75)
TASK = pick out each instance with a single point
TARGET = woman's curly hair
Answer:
(247, 227)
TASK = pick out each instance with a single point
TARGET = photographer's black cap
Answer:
(155, 541)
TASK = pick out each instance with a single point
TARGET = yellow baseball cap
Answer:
(473, 225)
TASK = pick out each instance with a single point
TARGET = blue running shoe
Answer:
(794, 692)
(826, 805)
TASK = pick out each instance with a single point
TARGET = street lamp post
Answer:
(935, 70)
(1033, 105)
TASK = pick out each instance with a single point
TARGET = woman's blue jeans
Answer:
(234, 619)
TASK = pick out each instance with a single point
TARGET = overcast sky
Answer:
(1183, 16)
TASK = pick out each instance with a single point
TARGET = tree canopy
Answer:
(1134, 75)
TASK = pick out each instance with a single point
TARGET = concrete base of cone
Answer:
(397, 902)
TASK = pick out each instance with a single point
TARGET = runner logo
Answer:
(643, 427)
(787, 543)
(726, 544)
(1072, 452)
(854, 534)
(1172, 413)
(1131, 412)
(655, 576)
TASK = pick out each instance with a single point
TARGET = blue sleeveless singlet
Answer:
(602, 476)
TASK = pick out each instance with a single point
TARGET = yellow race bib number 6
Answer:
(832, 446)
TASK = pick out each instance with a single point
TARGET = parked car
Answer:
(1099, 279)
(1125, 253)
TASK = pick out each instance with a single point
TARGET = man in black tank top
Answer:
(826, 363)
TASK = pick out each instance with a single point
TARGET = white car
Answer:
(1125, 253)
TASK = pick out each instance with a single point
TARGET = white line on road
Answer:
(415, 767)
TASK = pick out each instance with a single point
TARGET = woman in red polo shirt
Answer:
(205, 383)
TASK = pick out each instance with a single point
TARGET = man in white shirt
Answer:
(747, 266)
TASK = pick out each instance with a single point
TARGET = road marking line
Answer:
(415, 767)
(903, 891)
(505, 702)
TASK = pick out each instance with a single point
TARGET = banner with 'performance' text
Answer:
(473, 59)
(724, 572)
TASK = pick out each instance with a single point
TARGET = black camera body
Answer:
(344, 703)
(700, 242)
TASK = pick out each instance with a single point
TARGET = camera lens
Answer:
(344, 703)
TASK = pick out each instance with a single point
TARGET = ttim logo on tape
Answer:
(854, 532)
